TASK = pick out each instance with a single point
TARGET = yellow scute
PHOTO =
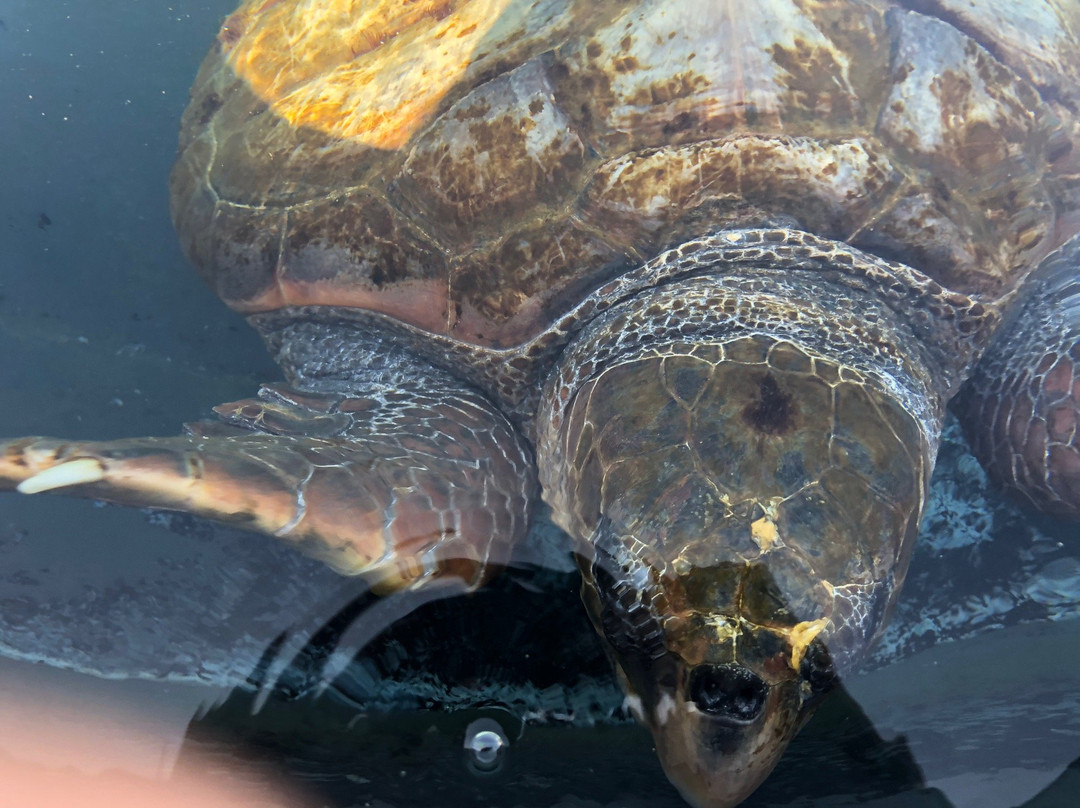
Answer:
(369, 70)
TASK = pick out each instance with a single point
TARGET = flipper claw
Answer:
(73, 472)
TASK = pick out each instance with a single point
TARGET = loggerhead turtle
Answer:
(702, 276)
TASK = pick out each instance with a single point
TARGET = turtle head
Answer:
(732, 557)
(710, 662)
(743, 460)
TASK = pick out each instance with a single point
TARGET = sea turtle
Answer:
(700, 276)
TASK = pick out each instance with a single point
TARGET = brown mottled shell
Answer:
(474, 167)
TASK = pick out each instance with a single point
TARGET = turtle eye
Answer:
(727, 691)
(816, 669)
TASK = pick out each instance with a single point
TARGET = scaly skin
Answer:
(408, 483)
(1021, 408)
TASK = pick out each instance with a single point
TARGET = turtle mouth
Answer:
(722, 729)
(722, 695)
(730, 694)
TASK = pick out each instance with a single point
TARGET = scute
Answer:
(479, 189)
(673, 73)
(657, 197)
(505, 288)
(377, 72)
(502, 152)
(968, 120)
(1037, 40)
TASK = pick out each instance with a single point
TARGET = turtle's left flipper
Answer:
(1021, 407)
(399, 491)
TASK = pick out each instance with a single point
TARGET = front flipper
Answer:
(401, 483)
(1021, 408)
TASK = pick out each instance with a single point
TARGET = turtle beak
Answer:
(721, 730)
(713, 663)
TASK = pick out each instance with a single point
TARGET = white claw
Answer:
(74, 472)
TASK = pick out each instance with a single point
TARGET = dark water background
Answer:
(105, 331)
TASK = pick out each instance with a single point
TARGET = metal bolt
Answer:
(485, 745)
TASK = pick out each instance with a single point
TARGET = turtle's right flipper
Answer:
(400, 487)
(1021, 407)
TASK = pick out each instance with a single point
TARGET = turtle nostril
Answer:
(727, 691)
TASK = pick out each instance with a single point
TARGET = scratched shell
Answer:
(519, 153)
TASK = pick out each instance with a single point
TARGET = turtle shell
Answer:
(474, 167)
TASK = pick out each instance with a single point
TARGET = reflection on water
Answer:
(132, 343)
(374, 738)
(392, 727)
(422, 764)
